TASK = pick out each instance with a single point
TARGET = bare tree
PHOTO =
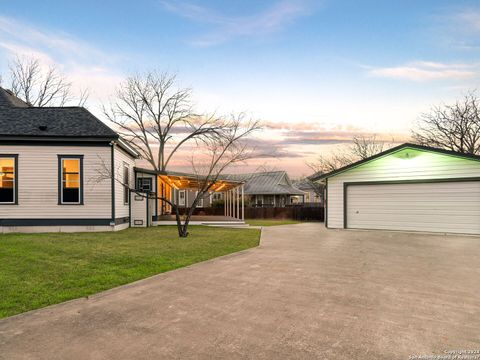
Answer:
(365, 146)
(156, 117)
(454, 127)
(218, 153)
(330, 162)
(222, 151)
(38, 86)
(362, 147)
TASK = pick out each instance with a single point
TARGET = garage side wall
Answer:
(422, 166)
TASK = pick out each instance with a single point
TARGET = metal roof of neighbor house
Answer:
(320, 176)
(19, 119)
(267, 183)
(305, 185)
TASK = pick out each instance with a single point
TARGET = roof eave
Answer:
(126, 147)
(43, 138)
(393, 150)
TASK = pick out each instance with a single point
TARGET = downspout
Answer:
(156, 196)
(112, 163)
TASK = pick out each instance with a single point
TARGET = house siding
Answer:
(423, 166)
(38, 183)
(122, 209)
(190, 197)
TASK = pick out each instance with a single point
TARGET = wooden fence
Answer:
(291, 212)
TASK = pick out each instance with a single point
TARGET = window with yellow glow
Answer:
(7, 180)
(71, 184)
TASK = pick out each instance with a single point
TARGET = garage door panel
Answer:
(441, 207)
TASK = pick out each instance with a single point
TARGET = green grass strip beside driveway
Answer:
(37, 270)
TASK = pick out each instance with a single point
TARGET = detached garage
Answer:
(409, 188)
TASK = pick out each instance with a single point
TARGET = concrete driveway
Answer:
(305, 293)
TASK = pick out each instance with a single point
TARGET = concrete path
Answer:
(305, 293)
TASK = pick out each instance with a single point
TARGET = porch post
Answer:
(224, 204)
(238, 203)
(229, 206)
(227, 195)
(232, 203)
(243, 205)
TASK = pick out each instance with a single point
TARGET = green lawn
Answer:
(272, 222)
(37, 270)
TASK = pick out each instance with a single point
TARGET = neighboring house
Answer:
(313, 191)
(409, 187)
(51, 165)
(270, 189)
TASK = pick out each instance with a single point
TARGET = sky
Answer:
(314, 72)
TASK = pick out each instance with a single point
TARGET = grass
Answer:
(37, 270)
(266, 222)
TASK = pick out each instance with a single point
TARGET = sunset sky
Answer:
(315, 72)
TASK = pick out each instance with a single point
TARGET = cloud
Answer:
(85, 65)
(457, 28)
(280, 15)
(427, 71)
(470, 19)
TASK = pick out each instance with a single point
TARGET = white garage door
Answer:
(452, 207)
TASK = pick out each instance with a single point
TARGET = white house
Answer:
(51, 165)
(62, 169)
(408, 187)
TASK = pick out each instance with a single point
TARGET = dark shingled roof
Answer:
(18, 118)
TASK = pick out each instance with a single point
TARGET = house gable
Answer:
(404, 151)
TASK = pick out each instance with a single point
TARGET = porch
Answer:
(181, 189)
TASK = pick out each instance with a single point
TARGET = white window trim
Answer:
(200, 201)
(184, 197)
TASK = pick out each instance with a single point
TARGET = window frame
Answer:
(126, 184)
(140, 183)
(60, 179)
(15, 178)
(201, 201)
(184, 192)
